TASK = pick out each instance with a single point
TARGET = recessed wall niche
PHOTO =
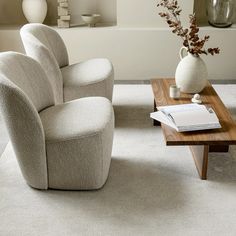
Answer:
(200, 11)
(107, 9)
(124, 13)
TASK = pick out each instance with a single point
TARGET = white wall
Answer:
(140, 47)
(138, 53)
(143, 13)
(144, 53)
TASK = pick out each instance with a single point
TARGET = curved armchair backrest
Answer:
(44, 45)
(51, 39)
(25, 90)
(40, 53)
(28, 75)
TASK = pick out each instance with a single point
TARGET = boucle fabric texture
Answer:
(28, 75)
(25, 90)
(90, 78)
(35, 48)
(50, 39)
(79, 148)
(94, 77)
(69, 146)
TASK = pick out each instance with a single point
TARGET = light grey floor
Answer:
(226, 91)
(152, 189)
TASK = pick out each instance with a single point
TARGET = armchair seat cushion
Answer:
(75, 134)
(93, 77)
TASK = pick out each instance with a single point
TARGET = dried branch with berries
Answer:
(191, 40)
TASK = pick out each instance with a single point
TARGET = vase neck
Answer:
(193, 55)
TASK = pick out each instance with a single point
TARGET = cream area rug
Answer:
(152, 189)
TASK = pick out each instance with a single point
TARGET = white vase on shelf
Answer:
(191, 73)
(35, 11)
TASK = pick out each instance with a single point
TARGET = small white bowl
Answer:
(91, 19)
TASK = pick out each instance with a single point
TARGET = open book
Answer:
(187, 117)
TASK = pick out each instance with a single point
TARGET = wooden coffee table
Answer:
(200, 142)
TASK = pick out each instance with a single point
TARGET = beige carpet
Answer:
(151, 190)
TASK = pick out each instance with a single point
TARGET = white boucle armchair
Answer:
(66, 146)
(94, 77)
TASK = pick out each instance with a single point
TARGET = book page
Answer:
(161, 117)
(191, 118)
(181, 108)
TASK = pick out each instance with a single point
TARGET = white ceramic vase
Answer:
(35, 11)
(191, 73)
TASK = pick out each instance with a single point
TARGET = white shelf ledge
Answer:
(113, 26)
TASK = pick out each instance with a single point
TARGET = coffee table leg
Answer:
(155, 122)
(217, 148)
(200, 156)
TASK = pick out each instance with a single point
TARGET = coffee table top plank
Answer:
(224, 136)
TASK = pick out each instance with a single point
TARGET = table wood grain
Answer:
(224, 136)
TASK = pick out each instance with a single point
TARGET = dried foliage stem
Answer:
(190, 37)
